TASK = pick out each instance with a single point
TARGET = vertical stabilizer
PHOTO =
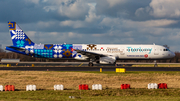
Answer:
(19, 38)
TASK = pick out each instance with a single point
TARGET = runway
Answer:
(82, 66)
(109, 68)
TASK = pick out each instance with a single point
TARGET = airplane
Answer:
(99, 53)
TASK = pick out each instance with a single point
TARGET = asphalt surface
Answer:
(81, 66)
(109, 68)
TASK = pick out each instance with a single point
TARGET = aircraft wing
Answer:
(90, 54)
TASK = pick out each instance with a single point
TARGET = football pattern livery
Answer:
(101, 53)
(21, 40)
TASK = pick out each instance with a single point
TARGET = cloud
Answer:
(114, 2)
(152, 23)
(74, 10)
(94, 21)
(90, 19)
(165, 8)
(47, 24)
(120, 8)
(54, 33)
(161, 9)
(33, 1)
(74, 24)
(31, 33)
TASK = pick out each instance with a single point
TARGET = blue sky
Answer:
(94, 21)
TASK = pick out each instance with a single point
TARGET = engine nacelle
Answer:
(107, 60)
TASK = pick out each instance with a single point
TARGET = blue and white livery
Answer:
(99, 53)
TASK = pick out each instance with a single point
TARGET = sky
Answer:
(94, 21)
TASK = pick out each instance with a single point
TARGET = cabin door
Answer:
(156, 51)
(122, 51)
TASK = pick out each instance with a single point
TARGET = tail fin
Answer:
(19, 38)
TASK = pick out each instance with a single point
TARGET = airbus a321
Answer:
(99, 53)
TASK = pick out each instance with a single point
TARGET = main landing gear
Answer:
(90, 63)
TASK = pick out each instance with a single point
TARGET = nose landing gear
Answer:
(155, 63)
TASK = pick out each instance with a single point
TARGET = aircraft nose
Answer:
(173, 54)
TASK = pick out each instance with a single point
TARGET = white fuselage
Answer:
(129, 51)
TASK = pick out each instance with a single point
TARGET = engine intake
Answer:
(107, 60)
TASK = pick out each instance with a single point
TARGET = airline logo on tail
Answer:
(12, 25)
(19, 38)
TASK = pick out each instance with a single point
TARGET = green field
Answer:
(111, 81)
(3, 65)
(90, 95)
(158, 65)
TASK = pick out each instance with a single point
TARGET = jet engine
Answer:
(107, 60)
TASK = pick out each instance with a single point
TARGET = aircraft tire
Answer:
(90, 64)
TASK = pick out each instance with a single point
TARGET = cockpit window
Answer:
(166, 49)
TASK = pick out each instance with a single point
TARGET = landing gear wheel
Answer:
(90, 64)
(155, 63)
(115, 64)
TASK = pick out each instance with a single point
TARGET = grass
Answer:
(2, 65)
(90, 95)
(71, 80)
(111, 81)
(159, 65)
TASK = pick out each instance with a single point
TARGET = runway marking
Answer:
(80, 64)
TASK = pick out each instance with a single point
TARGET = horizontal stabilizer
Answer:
(17, 48)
